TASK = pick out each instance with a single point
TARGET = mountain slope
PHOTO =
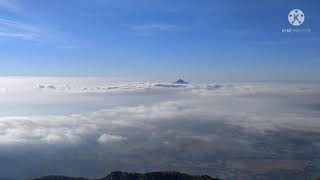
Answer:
(180, 81)
(118, 175)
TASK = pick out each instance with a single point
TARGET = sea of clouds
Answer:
(52, 125)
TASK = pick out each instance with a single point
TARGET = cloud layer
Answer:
(83, 121)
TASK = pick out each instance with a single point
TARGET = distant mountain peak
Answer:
(180, 81)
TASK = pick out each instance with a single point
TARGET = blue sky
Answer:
(159, 39)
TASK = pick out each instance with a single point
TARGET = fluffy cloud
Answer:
(101, 124)
(75, 128)
(117, 124)
(108, 138)
(104, 85)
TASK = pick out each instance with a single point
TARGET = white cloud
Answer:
(19, 30)
(156, 27)
(119, 123)
(108, 138)
(26, 36)
(105, 85)
(94, 117)
(79, 128)
(15, 29)
(9, 5)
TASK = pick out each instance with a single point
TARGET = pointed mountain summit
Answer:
(180, 81)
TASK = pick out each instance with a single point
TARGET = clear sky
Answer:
(159, 39)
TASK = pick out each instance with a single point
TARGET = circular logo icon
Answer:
(296, 17)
